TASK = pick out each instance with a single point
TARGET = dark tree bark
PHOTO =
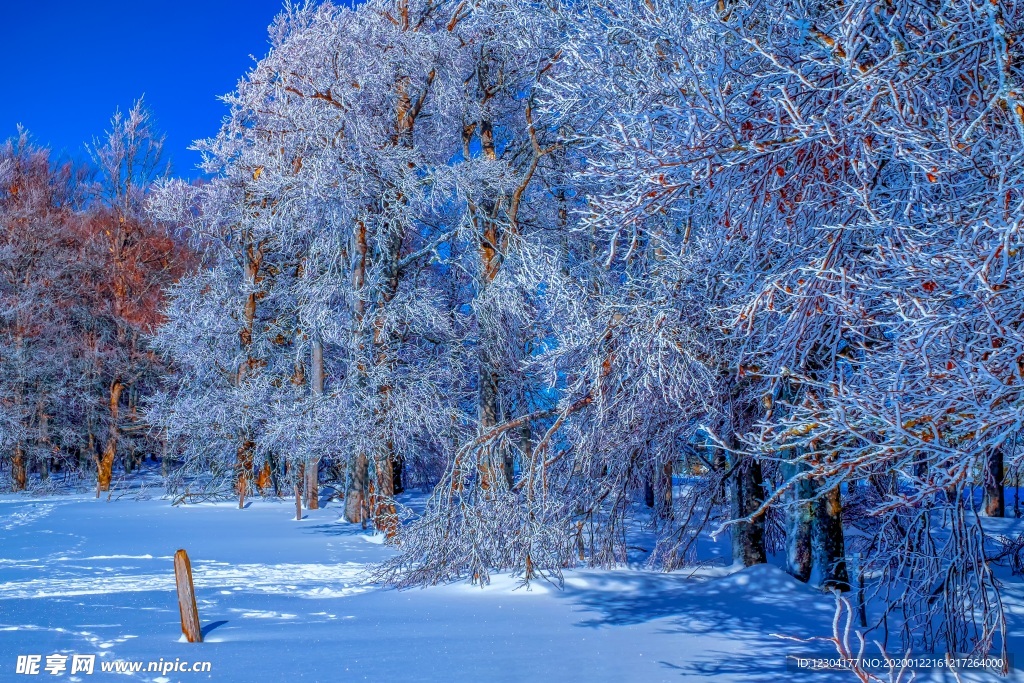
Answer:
(397, 482)
(748, 495)
(829, 540)
(994, 502)
(744, 484)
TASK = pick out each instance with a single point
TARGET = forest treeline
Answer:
(731, 267)
(83, 271)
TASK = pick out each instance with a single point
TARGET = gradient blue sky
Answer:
(68, 65)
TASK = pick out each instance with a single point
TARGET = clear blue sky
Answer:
(68, 65)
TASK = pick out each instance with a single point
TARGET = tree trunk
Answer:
(748, 495)
(317, 386)
(490, 461)
(298, 501)
(489, 243)
(829, 541)
(246, 446)
(243, 470)
(355, 494)
(312, 481)
(263, 479)
(385, 516)
(648, 492)
(799, 523)
(397, 465)
(44, 437)
(508, 466)
(525, 446)
(105, 464)
(994, 501)
(317, 366)
(19, 473)
(163, 454)
(374, 340)
(745, 487)
(380, 489)
(666, 511)
(379, 496)
(356, 473)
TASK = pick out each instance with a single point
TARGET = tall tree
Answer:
(139, 259)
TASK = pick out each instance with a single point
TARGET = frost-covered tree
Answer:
(331, 180)
(136, 259)
(41, 242)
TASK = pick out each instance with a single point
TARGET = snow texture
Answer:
(286, 600)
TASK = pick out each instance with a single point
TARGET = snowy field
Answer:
(282, 600)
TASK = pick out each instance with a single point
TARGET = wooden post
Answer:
(187, 598)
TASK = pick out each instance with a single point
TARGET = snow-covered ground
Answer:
(282, 600)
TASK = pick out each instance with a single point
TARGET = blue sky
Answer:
(68, 65)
